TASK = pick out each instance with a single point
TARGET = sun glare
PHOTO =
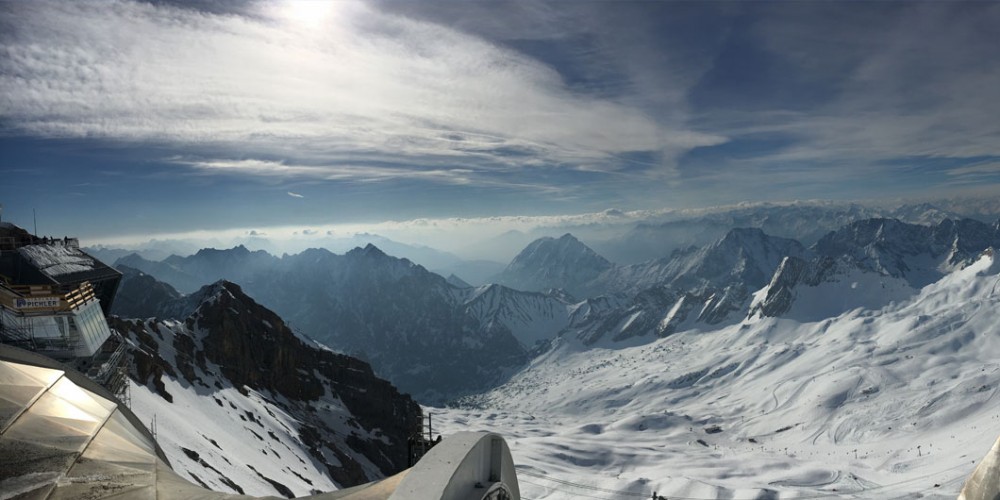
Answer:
(311, 13)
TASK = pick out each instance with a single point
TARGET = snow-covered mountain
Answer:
(919, 254)
(897, 401)
(699, 286)
(240, 404)
(805, 221)
(868, 263)
(802, 221)
(547, 263)
(406, 321)
(745, 256)
(438, 339)
(751, 367)
(432, 338)
(533, 318)
(871, 263)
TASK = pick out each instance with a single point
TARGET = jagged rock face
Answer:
(616, 322)
(406, 321)
(804, 222)
(256, 349)
(562, 262)
(230, 340)
(140, 295)
(914, 255)
(531, 317)
(917, 253)
(181, 280)
(189, 274)
(143, 296)
(658, 312)
(235, 264)
(779, 296)
(745, 257)
(707, 285)
(794, 272)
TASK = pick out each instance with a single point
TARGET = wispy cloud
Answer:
(590, 103)
(295, 195)
(365, 173)
(355, 81)
(978, 169)
(885, 82)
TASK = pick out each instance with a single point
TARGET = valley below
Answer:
(895, 402)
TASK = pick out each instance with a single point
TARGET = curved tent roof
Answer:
(63, 436)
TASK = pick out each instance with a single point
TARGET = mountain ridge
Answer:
(237, 363)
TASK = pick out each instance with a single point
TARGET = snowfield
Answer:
(886, 400)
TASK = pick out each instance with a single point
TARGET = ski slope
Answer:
(887, 401)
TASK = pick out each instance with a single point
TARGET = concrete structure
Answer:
(64, 436)
(55, 263)
(53, 296)
(466, 466)
(984, 483)
(54, 299)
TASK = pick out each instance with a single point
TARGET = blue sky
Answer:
(140, 118)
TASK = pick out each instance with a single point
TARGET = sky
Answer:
(128, 119)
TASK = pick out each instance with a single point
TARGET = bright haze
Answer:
(127, 120)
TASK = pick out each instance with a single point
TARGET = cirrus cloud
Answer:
(358, 82)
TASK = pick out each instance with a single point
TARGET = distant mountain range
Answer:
(866, 263)
(805, 221)
(894, 399)
(432, 338)
(439, 338)
(170, 258)
(299, 406)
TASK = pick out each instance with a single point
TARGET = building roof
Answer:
(64, 436)
(55, 264)
(58, 260)
(58, 430)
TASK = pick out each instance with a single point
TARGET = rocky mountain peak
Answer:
(742, 234)
(237, 251)
(231, 340)
(141, 295)
(563, 262)
(456, 281)
(370, 250)
(744, 255)
(918, 253)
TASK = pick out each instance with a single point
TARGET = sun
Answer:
(311, 13)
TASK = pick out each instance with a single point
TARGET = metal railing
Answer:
(16, 333)
(10, 243)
